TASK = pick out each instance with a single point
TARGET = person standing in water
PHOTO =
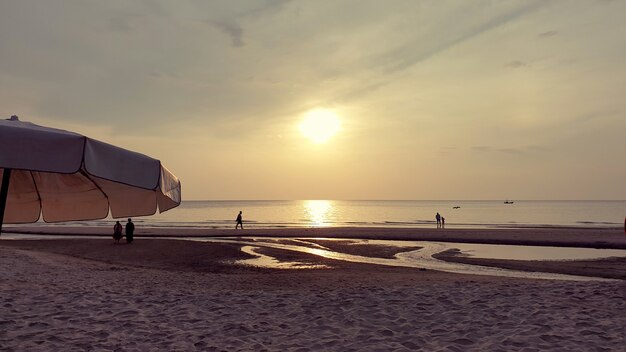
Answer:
(438, 217)
(239, 221)
(443, 222)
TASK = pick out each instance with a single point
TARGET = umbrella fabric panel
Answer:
(169, 196)
(120, 165)
(22, 201)
(127, 201)
(78, 196)
(165, 203)
(30, 147)
(67, 197)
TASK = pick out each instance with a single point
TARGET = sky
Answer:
(433, 99)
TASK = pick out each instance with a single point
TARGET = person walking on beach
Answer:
(438, 217)
(443, 222)
(239, 221)
(130, 231)
(117, 232)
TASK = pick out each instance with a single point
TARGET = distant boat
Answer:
(508, 202)
(456, 207)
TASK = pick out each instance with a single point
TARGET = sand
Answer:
(88, 294)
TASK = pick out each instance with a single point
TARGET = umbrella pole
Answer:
(4, 192)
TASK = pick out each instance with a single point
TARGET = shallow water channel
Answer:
(423, 257)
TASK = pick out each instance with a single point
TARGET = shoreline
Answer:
(556, 237)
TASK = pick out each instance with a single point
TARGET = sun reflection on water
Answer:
(318, 212)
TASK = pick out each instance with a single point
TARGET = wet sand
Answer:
(81, 294)
(610, 268)
(542, 236)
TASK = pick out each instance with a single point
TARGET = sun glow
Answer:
(318, 212)
(320, 125)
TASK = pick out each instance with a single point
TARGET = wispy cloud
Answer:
(482, 148)
(385, 68)
(414, 52)
(509, 150)
(517, 64)
(268, 8)
(591, 116)
(548, 34)
(230, 28)
(538, 148)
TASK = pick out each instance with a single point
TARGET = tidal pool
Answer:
(423, 258)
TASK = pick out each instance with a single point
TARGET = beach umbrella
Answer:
(64, 176)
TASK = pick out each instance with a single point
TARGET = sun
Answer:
(320, 125)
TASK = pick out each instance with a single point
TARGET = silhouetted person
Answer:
(117, 232)
(438, 217)
(443, 222)
(239, 221)
(130, 230)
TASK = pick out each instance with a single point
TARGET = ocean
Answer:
(384, 213)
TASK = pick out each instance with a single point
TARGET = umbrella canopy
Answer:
(65, 176)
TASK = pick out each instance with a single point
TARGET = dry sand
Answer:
(76, 295)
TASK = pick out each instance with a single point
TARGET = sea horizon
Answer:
(406, 200)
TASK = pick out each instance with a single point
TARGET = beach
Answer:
(175, 295)
(298, 176)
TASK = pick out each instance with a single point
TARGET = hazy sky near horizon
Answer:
(436, 99)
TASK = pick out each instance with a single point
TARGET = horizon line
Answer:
(406, 200)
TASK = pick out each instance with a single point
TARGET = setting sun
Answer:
(320, 125)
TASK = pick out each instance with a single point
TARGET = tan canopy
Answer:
(66, 176)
